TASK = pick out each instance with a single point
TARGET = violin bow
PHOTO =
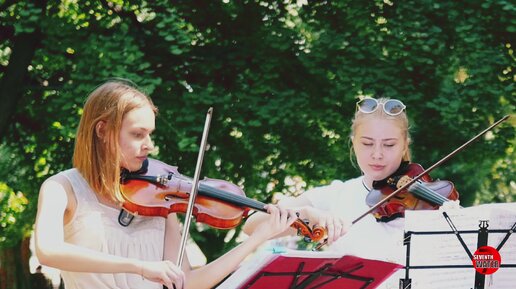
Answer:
(195, 187)
(416, 178)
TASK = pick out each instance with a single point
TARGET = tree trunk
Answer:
(11, 84)
(14, 266)
(15, 76)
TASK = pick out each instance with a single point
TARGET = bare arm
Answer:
(51, 249)
(211, 274)
(56, 202)
(298, 204)
(335, 226)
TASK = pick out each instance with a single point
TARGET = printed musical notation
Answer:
(445, 249)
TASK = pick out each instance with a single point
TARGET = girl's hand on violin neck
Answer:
(163, 272)
(279, 220)
(336, 227)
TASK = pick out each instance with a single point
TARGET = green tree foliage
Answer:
(283, 78)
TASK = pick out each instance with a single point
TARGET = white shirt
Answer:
(95, 226)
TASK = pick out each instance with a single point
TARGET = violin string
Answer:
(435, 198)
(234, 199)
(431, 195)
(220, 194)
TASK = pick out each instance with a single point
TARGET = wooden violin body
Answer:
(424, 194)
(160, 190)
(166, 191)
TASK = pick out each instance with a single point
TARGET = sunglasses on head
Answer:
(391, 107)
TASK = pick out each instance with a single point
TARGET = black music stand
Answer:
(483, 233)
(297, 272)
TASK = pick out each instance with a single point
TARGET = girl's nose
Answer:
(148, 144)
(377, 152)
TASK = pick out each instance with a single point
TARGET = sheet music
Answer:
(445, 249)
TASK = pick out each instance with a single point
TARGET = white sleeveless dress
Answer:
(95, 226)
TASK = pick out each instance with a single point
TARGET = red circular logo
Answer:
(486, 260)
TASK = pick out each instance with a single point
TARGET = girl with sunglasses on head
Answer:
(380, 141)
(77, 228)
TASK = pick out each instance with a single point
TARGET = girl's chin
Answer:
(378, 177)
(133, 166)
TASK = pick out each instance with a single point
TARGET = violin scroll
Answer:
(314, 234)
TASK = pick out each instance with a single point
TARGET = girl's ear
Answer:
(100, 130)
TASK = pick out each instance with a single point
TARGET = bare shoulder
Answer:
(55, 185)
(59, 193)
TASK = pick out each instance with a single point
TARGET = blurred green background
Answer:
(283, 78)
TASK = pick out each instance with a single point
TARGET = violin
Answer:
(158, 189)
(423, 194)
(385, 202)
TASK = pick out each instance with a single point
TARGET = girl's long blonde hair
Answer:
(98, 158)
